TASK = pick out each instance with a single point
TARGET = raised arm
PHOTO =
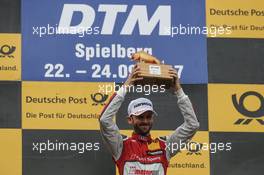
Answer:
(109, 130)
(186, 131)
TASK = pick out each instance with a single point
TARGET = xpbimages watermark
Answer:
(189, 30)
(146, 89)
(53, 146)
(50, 30)
(196, 147)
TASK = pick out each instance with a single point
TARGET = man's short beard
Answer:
(139, 131)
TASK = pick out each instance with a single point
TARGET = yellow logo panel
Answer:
(10, 56)
(244, 18)
(195, 159)
(190, 160)
(62, 105)
(11, 151)
(238, 108)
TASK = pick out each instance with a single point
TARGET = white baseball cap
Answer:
(139, 106)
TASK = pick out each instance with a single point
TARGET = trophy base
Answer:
(155, 74)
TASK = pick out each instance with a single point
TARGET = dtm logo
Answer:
(137, 16)
(99, 98)
(7, 50)
(194, 148)
(240, 107)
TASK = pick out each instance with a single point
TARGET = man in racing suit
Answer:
(140, 154)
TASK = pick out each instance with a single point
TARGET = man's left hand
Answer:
(176, 82)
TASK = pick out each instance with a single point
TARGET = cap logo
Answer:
(141, 104)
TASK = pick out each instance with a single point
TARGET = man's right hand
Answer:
(133, 77)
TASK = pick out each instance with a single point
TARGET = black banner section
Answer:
(10, 16)
(10, 104)
(235, 60)
(246, 156)
(165, 104)
(65, 152)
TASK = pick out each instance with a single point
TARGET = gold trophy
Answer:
(152, 71)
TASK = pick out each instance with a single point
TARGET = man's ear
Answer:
(130, 120)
